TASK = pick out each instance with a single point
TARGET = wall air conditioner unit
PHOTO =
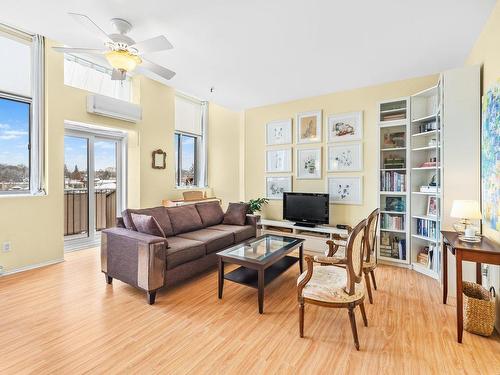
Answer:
(110, 107)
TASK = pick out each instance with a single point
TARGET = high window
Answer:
(21, 112)
(86, 75)
(190, 145)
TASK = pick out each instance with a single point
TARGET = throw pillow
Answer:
(236, 214)
(147, 224)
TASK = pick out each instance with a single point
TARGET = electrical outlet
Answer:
(6, 247)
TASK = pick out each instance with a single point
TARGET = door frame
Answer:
(95, 133)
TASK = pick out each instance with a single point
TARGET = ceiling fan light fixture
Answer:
(123, 60)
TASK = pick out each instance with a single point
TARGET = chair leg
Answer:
(368, 288)
(352, 318)
(363, 313)
(301, 319)
(372, 274)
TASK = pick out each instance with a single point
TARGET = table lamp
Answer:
(465, 210)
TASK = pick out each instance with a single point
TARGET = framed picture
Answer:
(309, 163)
(279, 160)
(309, 127)
(490, 156)
(345, 127)
(345, 190)
(279, 132)
(432, 206)
(159, 159)
(345, 158)
(276, 186)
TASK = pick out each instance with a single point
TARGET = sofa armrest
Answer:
(135, 258)
(252, 220)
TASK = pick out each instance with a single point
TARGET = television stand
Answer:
(315, 236)
(305, 225)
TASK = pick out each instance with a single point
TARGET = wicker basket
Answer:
(479, 309)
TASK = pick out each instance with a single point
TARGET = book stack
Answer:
(427, 228)
(429, 189)
(428, 126)
(392, 246)
(423, 257)
(389, 221)
(393, 181)
(395, 116)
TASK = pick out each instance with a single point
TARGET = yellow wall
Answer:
(364, 99)
(224, 135)
(486, 52)
(34, 225)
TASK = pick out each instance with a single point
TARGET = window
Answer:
(92, 77)
(21, 112)
(190, 135)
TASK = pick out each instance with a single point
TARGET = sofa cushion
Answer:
(211, 213)
(214, 240)
(147, 224)
(183, 250)
(240, 233)
(236, 214)
(184, 219)
(159, 213)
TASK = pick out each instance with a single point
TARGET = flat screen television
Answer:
(306, 209)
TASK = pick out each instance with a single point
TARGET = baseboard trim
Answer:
(32, 267)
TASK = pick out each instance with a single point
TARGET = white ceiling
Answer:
(267, 51)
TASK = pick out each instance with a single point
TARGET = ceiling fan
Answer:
(121, 51)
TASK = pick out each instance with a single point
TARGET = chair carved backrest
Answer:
(371, 235)
(355, 251)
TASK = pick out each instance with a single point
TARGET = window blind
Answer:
(188, 116)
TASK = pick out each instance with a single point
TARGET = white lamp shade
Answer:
(465, 209)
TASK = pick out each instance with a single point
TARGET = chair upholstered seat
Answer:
(327, 285)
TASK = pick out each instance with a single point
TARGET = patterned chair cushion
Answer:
(327, 285)
(371, 265)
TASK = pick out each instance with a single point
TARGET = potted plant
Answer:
(255, 205)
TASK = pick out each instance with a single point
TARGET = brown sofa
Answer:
(193, 236)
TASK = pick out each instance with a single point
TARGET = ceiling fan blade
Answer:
(91, 26)
(156, 69)
(79, 50)
(159, 43)
(118, 75)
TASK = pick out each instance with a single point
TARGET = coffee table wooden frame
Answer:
(259, 273)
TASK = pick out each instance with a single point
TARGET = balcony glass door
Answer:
(93, 188)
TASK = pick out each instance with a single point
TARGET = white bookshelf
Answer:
(393, 199)
(453, 104)
(426, 160)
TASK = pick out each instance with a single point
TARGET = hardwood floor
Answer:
(65, 319)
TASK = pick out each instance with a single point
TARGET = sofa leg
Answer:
(151, 297)
(109, 279)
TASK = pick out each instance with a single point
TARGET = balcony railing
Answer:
(76, 220)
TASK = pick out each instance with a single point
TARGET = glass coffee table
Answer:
(261, 260)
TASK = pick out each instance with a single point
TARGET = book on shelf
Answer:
(427, 228)
(392, 246)
(394, 116)
(391, 221)
(430, 189)
(429, 164)
(394, 162)
(393, 181)
(428, 256)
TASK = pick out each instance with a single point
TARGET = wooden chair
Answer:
(336, 287)
(369, 263)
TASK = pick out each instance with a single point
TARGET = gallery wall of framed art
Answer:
(329, 155)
